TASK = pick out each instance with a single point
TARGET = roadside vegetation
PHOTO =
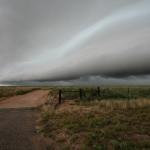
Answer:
(25, 91)
(11, 91)
(7, 91)
(108, 124)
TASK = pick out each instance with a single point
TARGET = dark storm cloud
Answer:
(63, 40)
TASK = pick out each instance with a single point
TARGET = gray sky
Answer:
(75, 39)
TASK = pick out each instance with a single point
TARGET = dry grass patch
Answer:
(97, 125)
(123, 104)
(12, 91)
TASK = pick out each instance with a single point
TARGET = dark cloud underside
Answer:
(70, 39)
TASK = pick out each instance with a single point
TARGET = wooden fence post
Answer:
(80, 91)
(60, 96)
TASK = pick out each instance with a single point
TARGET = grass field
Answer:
(107, 93)
(105, 123)
(11, 91)
(117, 119)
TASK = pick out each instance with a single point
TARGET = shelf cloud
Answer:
(75, 41)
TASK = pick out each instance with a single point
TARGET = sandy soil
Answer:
(29, 100)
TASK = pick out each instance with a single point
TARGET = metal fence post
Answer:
(98, 91)
(128, 93)
(60, 96)
(80, 91)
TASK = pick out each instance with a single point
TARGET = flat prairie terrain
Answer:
(114, 119)
(97, 125)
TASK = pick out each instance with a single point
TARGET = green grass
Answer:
(119, 129)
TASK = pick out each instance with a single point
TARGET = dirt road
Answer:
(32, 99)
(17, 125)
(17, 130)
